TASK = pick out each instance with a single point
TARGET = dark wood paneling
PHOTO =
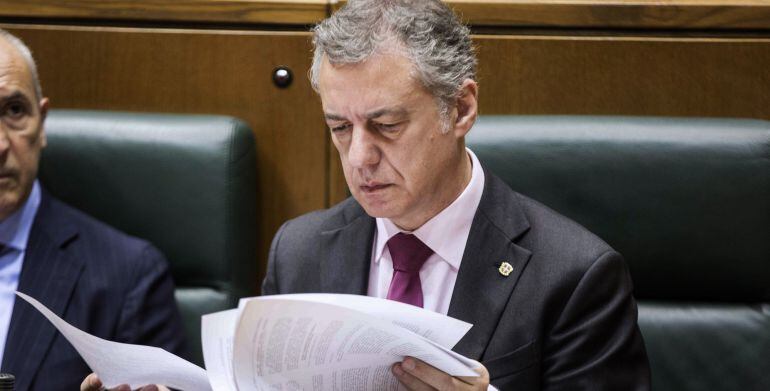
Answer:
(297, 12)
(601, 14)
(625, 76)
(612, 14)
(604, 14)
(202, 72)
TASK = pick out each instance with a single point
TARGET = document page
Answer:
(292, 342)
(436, 327)
(120, 363)
(289, 344)
(217, 331)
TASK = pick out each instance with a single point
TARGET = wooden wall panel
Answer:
(294, 12)
(216, 72)
(625, 76)
(604, 14)
(624, 14)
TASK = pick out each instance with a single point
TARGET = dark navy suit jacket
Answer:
(99, 280)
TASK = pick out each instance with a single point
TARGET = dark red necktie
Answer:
(408, 254)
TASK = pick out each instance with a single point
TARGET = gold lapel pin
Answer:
(505, 269)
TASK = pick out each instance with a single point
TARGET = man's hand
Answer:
(92, 383)
(417, 375)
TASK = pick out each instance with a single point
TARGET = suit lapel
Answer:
(481, 292)
(49, 275)
(348, 253)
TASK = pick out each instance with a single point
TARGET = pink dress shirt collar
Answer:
(447, 232)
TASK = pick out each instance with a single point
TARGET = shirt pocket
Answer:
(519, 359)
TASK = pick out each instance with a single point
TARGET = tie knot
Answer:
(408, 252)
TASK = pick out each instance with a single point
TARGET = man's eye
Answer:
(15, 110)
(340, 128)
(387, 127)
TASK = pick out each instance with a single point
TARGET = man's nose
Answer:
(363, 150)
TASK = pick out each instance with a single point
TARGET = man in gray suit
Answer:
(551, 303)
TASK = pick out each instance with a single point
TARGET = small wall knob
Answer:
(282, 77)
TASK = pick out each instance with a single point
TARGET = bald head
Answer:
(22, 115)
(13, 46)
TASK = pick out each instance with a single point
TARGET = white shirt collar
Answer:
(447, 232)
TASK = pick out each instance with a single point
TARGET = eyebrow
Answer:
(14, 96)
(333, 117)
(386, 111)
(372, 115)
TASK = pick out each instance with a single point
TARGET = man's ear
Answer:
(43, 107)
(467, 107)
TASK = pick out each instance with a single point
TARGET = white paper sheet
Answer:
(293, 342)
(290, 344)
(439, 328)
(121, 363)
(217, 332)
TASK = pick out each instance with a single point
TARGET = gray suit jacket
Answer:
(564, 319)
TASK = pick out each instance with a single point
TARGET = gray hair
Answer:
(430, 34)
(26, 54)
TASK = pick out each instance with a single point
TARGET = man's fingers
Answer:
(483, 376)
(429, 375)
(408, 380)
(437, 379)
(91, 383)
(154, 387)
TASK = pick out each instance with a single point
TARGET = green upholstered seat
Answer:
(687, 202)
(186, 183)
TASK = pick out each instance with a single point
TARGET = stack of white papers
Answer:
(286, 342)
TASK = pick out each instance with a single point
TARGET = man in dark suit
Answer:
(551, 303)
(96, 278)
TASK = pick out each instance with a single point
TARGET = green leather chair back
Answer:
(186, 183)
(687, 202)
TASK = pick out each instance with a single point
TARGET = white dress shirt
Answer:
(446, 234)
(14, 233)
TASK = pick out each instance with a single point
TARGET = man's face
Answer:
(21, 130)
(397, 161)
